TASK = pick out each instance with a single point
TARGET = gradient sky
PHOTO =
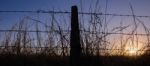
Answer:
(141, 7)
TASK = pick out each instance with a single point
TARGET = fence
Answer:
(97, 36)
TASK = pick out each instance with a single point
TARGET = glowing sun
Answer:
(132, 51)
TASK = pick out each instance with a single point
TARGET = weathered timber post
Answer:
(75, 51)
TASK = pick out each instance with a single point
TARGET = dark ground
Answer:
(43, 60)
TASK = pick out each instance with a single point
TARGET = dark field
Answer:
(44, 60)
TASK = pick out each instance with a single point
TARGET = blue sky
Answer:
(114, 6)
(141, 7)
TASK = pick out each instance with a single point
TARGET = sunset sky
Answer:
(140, 8)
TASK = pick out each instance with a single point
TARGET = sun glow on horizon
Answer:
(136, 47)
(132, 51)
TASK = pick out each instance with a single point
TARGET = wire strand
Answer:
(67, 12)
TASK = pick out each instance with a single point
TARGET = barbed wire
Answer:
(70, 30)
(67, 12)
(68, 47)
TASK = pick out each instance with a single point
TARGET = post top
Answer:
(74, 7)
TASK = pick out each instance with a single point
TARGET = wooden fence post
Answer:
(75, 51)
